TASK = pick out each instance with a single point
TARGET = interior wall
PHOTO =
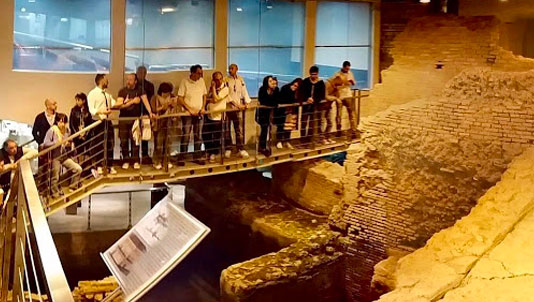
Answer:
(517, 16)
(25, 92)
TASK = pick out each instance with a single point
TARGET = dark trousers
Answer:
(191, 124)
(264, 119)
(211, 133)
(103, 142)
(129, 151)
(309, 122)
(234, 118)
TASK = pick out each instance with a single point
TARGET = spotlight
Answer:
(239, 9)
(64, 19)
(129, 21)
(23, 9)
(424, 1)
(167, 9)
(31, 1)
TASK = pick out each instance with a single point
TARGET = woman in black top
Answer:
(288, 95)
(268, 97)
(80, 117)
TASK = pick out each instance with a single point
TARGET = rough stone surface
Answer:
(315, 185)
(446, 137)
(486, 254)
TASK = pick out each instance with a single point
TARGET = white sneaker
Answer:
(157, 167)
(137, 166)
(95, 172)
(174, 153)
(289, 146)
(212, 158)
(243, 153)
(279, 146)
(227, 153)
(126, 166)
(112, 171)
(169, 165)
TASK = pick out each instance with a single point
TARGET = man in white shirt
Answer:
(192, 94)
(238, 99)
(100, 104)
(346, 98)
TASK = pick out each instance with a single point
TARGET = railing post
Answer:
(359, 99)
(20, 244)
(165, 126)
(89, 212)
(223, 135)
(105, 162)
(7, 249)
(129, 210)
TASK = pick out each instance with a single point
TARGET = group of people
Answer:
(200, 112)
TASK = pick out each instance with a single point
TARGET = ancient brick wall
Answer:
(453, 43)
(422, 165)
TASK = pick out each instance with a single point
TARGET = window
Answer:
(169, 35)
(344, 34)
(266, 38)
(62, 35)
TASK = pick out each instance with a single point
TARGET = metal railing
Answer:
(180, 140)
(30, 262)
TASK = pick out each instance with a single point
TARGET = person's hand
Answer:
(152, 115)
(192, 113)
(310, 100)
(338, 101)
(136, 100)
(202, 111)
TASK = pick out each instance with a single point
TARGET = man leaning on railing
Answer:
(10, 155)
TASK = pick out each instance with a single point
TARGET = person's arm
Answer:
(35, 131)
(147, 105)
(50, 138)
(28, 153)
(246, 97)
(181, 98)
(351, 79)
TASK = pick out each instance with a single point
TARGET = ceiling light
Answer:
(23, 9)
(64, 19)
(129, 21)
(31, 1)
(168, 9)
(239, 9)
(424, 1)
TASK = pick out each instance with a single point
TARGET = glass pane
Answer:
(330, 59)
(282, 23)
(248, 61)
(343, 23)
(266, 23)
(243, 23)
(62, 35)
(163, 28)
(165, 60)
(256, 63)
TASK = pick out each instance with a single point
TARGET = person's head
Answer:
(232, 69)
(314, 72)
(270, 82)
(131, 80)
(346, 67)
(81, 100)
(295, 84)
(10, 146)
(61, 121)
(165, 89)
(101, 80)
(141, 73)
(217, 77)
(51, 106)
(196, 72)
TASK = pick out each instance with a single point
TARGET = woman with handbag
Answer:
(285, 118)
